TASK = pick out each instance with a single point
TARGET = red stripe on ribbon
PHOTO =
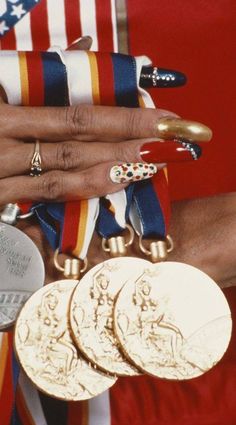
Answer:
(70, 227)
(75, 413)
(8, 42)
(73, 23)
(35, 75)
(104, 26)
(106, 79)
(39, 26)
(25, 208)
(160, 186)
(7, 394)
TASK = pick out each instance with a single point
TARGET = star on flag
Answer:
(18, 11)
(3, 27)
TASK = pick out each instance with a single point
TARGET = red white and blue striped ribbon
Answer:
(59, 23)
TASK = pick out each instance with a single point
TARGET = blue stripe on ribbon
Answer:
(55, 80)
(126, 91)
(15, 420)
(106, 224)
(47, 225)
(55, 94)
(149, 210)
(126, 94)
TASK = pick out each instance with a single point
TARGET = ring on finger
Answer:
(36, 161)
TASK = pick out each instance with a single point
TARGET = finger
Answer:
(58, 186)
(66, 123)
(3, 95)
(80, 155)
(73, 122)
(83, 43)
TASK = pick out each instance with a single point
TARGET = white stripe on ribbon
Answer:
(32, 400)
(10, 76)
(119, 203)
(1, 337)
(79, 77)
(23, 34)
(93, 210)
(88, 21)
(56, 23)
(99, 409)
(114, 26)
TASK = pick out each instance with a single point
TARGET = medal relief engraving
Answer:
(10, 302)
(17, 264)
(21, 272)
(92, 313)
(150, 321)
(46, 350)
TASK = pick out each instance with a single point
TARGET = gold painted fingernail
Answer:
(132, 172)
(170, 128)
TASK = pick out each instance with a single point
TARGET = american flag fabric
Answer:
(11, 11)
(60, 23)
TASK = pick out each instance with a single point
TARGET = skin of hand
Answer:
(203, 230)
(78, 146)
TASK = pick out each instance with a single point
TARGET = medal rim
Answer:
(66, 399)
(77, 342)
(8, 325)
(147, 372)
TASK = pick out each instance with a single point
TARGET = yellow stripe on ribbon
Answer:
(24, 79)
(94, 77)
(82, 227)
(3, 358)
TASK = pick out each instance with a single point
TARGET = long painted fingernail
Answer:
(171, 128)
(161, 78)
(132, 172)
(170, 151)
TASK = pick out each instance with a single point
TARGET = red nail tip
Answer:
(169, 151)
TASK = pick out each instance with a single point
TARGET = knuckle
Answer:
(78, 119)
(88, 185)
(65, 156)
(124, 151)
(133, 120)
(51, 185)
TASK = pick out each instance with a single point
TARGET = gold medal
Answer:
(91, 313)
(46, 351)
(172, 321)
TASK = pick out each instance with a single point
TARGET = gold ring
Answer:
(36, 161)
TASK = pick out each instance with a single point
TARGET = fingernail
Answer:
(170, 128)
(86, 40)
(132, 172)
(160, 77)
(170, 151)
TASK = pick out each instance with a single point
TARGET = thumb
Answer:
(82, 43)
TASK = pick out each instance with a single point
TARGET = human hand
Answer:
(79, 146)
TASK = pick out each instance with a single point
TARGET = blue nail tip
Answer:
(197, 149)
(161, 77)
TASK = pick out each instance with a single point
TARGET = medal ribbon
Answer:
(62, 78)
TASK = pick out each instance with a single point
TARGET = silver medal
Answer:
(21, 272)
